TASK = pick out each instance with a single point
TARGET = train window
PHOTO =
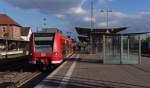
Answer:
(43, 42)
(43, 46)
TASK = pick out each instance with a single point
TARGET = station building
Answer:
(13, 37)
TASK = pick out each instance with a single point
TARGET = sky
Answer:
(68, 14)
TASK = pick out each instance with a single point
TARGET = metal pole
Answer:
(92, 25)
(37, 30)
(121, 50)
(128, 52)
(91, 21)
(92, 14)
(6, 43)
(6, 47)
(44, 20)
(104, 47)
(139, 49)
(107, 17)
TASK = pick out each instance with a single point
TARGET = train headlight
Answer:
(55, 54)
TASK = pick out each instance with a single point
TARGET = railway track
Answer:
(14, 74)
(16, 79)
(18, 74)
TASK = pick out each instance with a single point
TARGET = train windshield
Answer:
(43, 42)
(43, 46)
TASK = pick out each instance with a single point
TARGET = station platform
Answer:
(88, 71)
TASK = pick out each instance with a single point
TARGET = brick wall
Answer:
(13, 31)
(16, 32)
(3, 30)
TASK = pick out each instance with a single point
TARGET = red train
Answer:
(47, 49)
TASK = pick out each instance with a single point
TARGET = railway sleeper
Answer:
(22, 81)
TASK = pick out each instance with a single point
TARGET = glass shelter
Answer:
(121, 49)
(113, 47)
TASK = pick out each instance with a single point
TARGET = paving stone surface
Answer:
(90, 72)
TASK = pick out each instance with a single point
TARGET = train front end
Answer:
(41, 47)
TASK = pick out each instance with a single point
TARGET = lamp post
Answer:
(107, 31)
(107, 11)
(92, 24)
(44, 22)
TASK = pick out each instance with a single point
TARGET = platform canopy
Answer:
(87, 31)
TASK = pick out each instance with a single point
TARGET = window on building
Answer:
(4, 29)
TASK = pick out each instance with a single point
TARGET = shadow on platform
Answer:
(92, 61)
(77, 82)
(87, 60)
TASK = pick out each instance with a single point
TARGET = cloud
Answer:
(61, 16)
(73, 13)
(139, 22)
(70, 11)
(47, 6)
